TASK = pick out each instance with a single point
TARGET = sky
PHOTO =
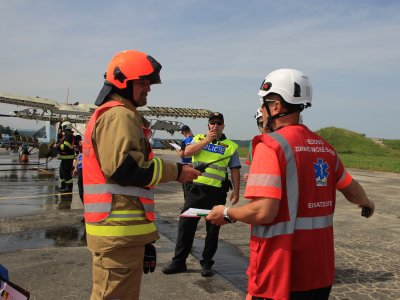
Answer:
(214, 54)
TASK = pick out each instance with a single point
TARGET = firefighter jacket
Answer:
(295, 252)
(66, 146)
(118, 172)
(216, 173)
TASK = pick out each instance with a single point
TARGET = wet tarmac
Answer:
(35, 221)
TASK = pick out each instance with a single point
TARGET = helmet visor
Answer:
(154, 76)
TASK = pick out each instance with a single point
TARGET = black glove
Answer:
(150, 258)
(366, 212)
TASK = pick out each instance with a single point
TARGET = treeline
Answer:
(5, 130)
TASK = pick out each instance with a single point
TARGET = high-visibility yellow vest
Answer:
(216, 172)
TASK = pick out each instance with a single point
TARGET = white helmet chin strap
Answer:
(270, 118)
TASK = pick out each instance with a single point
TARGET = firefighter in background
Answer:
(77, 170)
(66, 153)
(119, 171)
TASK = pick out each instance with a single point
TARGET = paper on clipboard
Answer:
(195, 212)
(11, 291)
(176, 146)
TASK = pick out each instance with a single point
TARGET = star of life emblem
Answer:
(321, 172)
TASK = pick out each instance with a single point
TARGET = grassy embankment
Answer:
(357, 151)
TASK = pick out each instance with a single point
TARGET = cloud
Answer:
(214, 53)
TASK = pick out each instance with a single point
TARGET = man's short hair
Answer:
(185, 128)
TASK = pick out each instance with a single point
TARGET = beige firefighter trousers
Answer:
(117, 274)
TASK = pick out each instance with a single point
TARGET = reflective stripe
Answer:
(264, 180)
(148, 207)
(314, 222)
(69, 181)
(286, 228)
(119, 218)
(212, 166)
(126, 215)
(343, 176)
(157, 172)
(293, 201)
(68, 145)
(70, 156)
(117, 189)
(218, 168)
(103, 207)
(213, 176)
(128, 230)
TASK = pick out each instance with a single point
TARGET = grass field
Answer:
(359, 152)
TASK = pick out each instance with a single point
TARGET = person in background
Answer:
(24, 156)
(292, 190)
(3, 273)
(119, 173)
(263, 129)
(187, 133)
(66, 154)
(209, 189)
(78, 164)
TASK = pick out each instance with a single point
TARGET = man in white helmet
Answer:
(263, 129)
(292, 190)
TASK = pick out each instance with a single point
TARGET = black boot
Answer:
(62, 187)
(173, 268)
(68, 187)
(206, 268)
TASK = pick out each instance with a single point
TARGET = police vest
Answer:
(297, 248)
(216, 172)
(97, 192)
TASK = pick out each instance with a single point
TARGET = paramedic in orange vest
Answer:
(263, 129)
(292, 190)
(119, 173)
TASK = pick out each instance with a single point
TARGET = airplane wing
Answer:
(43, 109)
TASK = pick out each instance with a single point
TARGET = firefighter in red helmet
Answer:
(119, 173)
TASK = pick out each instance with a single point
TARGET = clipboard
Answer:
(175, 146)
(195, 213)
(10, 290)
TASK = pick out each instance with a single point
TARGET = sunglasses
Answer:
(260, 124)
(215, 123)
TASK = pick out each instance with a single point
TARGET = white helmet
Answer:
(66, 126)
(258, 113)
(292, 85)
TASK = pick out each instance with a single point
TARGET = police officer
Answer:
(206, 191)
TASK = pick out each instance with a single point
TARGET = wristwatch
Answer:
(226, 217)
